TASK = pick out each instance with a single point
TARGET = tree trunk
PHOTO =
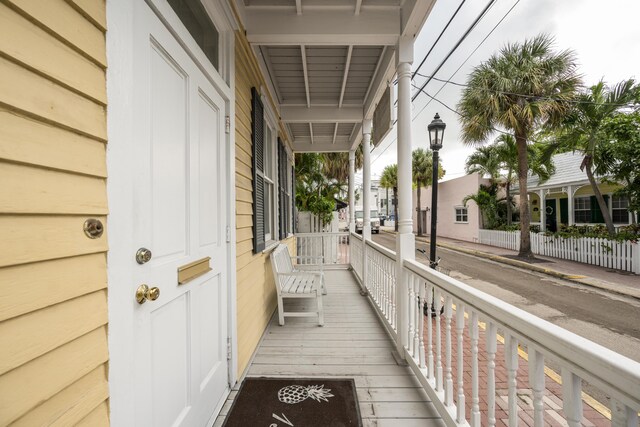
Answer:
(419, 215)
(596, 191)
(509, 210)
(395, 208)
(525, 215)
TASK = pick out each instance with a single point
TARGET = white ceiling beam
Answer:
(299, 7)
(321, 114)
(323, 27)
(414, 14)
(358, 6)
(306, 74)
(375, 72)
(311, 132)
(347, 64)
(335, 133)
(356, 136)
(344, 5)
(303, 146)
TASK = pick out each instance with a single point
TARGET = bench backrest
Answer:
(280, 263)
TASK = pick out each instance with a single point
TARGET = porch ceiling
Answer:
(328, 62)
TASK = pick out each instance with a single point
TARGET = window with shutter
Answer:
(257, 151)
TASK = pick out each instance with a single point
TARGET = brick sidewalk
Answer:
(553, 394)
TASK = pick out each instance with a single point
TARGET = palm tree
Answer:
(422, 171)
(484, 161)
(336, 165)
(522, 87)
(389, 179)
(582, 129)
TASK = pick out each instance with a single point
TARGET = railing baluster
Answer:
(448, 384)
(572, 398)
(491, 372)
(511, 356)
(416, 316)
(436, 308)
(536, 382)
(410, 330)
(421, 352)
(430, 368)
(460, 332)
(475, 399)
(622, 415)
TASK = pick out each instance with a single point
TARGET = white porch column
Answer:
(543, 210)
(352, 191)
(570, 204)
(366, 179)
(405, 241)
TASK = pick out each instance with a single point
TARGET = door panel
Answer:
(180, 214)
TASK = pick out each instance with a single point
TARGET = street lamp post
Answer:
(436, 136)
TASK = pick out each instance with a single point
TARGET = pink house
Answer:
(455, 220)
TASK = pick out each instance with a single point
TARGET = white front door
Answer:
(180, 216)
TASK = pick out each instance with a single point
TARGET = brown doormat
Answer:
(295, 402)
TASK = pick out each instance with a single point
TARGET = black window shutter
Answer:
(281, 211)
(257, 151)
(596, 213)
(293, 197)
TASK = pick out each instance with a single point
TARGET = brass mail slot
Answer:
(192, 270)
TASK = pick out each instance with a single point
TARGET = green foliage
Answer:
(389, 177)
(620, 155)
(520, 89)
(630, 232)
(422, 167)
(315, 192)
(336, 165)
(487, 200)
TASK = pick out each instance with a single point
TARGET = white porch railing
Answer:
(443, 370)
(334, 247)
(623, 256)
(356, 246)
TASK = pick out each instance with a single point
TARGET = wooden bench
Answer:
(292, 282)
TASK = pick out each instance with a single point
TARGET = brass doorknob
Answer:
(144, 293)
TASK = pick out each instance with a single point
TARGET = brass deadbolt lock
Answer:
(143, 255)
(93, 228)
(144, 293)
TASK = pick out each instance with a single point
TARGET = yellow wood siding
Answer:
(604, 189)
(53, 293)
(256, 295)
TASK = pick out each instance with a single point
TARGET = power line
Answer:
(550, 98)
(472, 52)
(457, 45)
(438, 39)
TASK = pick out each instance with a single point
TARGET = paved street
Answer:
(610, 320)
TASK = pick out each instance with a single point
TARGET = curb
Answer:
(583, 280)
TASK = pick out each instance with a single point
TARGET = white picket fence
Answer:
(623, 256)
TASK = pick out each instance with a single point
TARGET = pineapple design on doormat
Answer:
(297, 393)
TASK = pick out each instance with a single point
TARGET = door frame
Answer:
(121, 179)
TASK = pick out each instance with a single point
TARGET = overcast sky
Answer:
(604, 35)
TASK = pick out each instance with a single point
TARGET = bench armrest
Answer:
(318, 257)
(300, 274)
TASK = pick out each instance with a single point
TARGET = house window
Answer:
(462, 214)
(582, 209)
(272, 174)
(620, 210)
(196, 19)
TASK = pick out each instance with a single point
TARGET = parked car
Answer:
(375, 221)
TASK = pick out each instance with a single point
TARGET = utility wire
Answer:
(438, 39)
(455, 47)
(455, 72)
(550, 98)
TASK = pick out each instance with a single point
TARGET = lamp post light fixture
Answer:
(436, 136)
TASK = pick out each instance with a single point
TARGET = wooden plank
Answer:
(24, 338)
(24, 90)
(330, 370)
(38, 238)
(72, 404)
(99, 417)
(392, 395)
(40, 191)
(29, 141)
(29, 385)
(398, 409)
(30, 287)
(369, 359)
(27, 43)
(95, 10)
(60, 18)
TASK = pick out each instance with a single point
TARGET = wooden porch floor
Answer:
(352, 344)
